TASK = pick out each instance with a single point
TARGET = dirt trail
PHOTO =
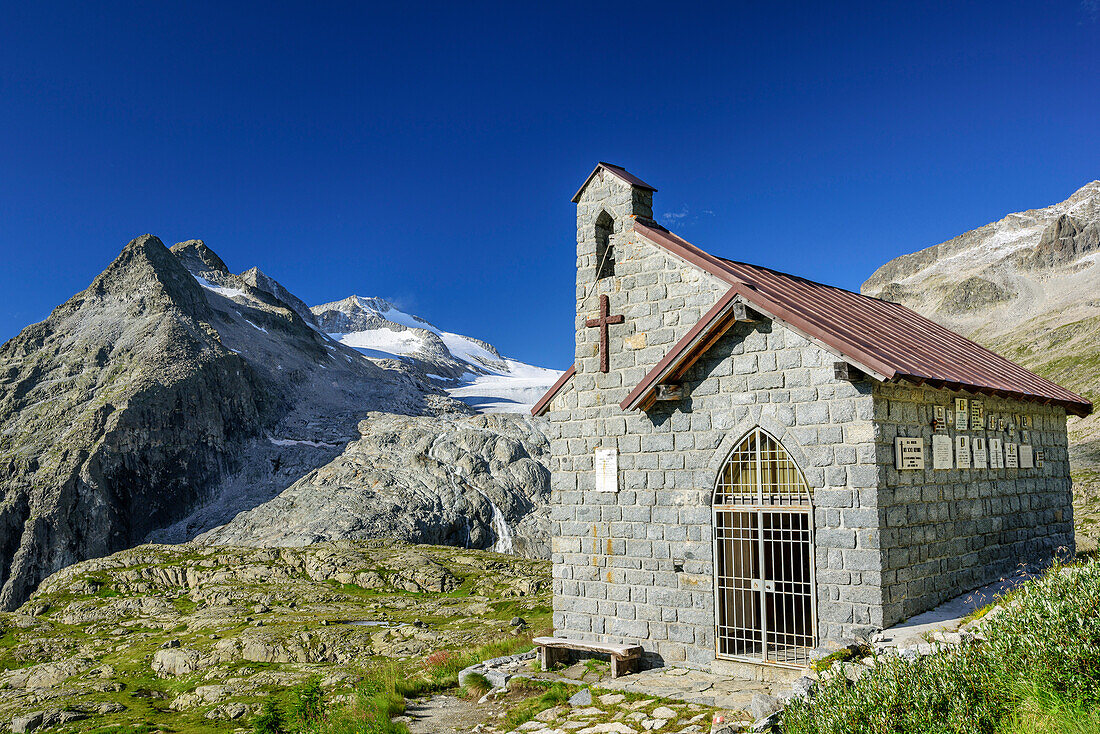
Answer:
(444, 714)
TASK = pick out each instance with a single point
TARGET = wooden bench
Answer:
(624, 658)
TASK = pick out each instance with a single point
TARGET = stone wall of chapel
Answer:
(615, 556)
(946, 532)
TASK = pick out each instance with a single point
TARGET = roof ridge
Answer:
(617, 171)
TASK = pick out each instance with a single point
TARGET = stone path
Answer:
(613, 713)
(948, 616)
(679, 684)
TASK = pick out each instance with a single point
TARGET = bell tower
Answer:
(608, 204)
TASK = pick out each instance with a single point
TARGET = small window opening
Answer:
(605, 252)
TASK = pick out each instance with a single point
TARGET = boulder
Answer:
(762, 706)
(27, 722)
(176, 662)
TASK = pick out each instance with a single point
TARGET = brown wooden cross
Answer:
(602, 322)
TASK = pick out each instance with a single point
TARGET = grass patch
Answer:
(595, 665)
(1038, 671)
(840, 656)
(477, 685)
(305, 710)
(554, 695)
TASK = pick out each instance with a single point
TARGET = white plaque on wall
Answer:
(908, 453)
(1012, 458)
(607, 470)
(1027, 457)
(939, 418)
(977, 415)
(980, 454)
(962, 452)
(996, 454)
(942, 452)
(961, 414)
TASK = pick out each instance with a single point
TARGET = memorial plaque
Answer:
(607, 470)
(942, 452)
(1040, 455)
(1002, 422)
(939, 418)
(996, 454)
(1027, 457)
(1012, 456)
(977, 415)
(981, 456)
(908, 453)
(962, 452)
(961, 414)
(993, 423)
(1028, 422)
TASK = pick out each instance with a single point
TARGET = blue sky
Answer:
(427, 152)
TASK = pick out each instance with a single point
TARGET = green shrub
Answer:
(307, 706)
(1043, 649)
(840, 656)
(270, 719)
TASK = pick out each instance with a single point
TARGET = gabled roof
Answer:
(884, 339)
(619, 171)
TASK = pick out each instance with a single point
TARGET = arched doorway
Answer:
(765, 600)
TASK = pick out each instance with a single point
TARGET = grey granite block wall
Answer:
(945, 532)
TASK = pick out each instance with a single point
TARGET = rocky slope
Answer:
(140, 396)
(193, 638)
(1027, 286)
(477, 482)
(170, 396)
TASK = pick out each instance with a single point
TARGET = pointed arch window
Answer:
(760, 472)
(605, 251)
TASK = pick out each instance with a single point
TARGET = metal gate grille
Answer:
(764, 588)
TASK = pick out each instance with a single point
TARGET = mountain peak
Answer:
(197, 257)
(145, 265)
(1092, 188)
(1015, 238)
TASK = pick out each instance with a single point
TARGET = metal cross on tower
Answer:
(602, 322)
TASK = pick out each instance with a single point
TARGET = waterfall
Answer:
(502, 534)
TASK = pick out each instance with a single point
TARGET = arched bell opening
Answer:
(605, 251)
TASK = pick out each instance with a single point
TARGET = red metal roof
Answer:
(619, 171)
(883, 338)
(544, 402)
(694, 344)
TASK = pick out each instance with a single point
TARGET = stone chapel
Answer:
(748, 465)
